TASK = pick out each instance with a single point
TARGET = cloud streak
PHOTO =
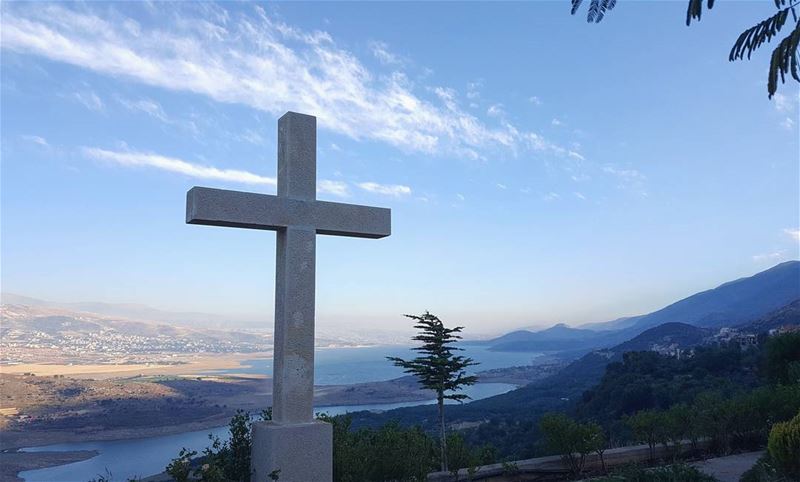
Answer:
(257, 61)
(197, 171)
(36, 140)
(179, 166)
(396, 190)
(774, 256)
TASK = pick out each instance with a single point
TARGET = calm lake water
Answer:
(339, 366)
(147, 456)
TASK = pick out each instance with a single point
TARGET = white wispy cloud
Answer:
(784, 103)
(251, 136)
(474, 89)
(198, 171)
(260, 62)
(381, 52)
(786, 106)
(36, 140)
(88, 99)
(793, 233)
(148, 106)
(495, 110)
(535, 100)
(337, 188)
(551, 196)
(580, 196)
(460, 197)
(629, 179)
(500, 185)
(171, 164)
(396, 190)
(154, 109)
(773, 256)
(624, 173)
(556, 122)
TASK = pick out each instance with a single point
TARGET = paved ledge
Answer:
(730, 468)
(553, 465)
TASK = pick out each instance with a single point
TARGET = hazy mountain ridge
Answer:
(733, 302)
(788, 315)
(56, 322)
(557, 338)
(132, 311)
(730, 304)
(120, 313)
(669, 338)
(41, 334)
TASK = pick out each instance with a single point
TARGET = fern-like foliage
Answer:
(597, 9)
(784, 59)
(695, 9)
(752, 38)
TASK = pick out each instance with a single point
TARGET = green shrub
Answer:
(762, 471)
(460, 455)
(671, 473)
(180, 468)
(572, 440)
(784, 446)
(391, 452)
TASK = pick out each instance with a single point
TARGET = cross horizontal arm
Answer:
(220, 207)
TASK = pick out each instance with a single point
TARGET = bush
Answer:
(782, 357)
(671, 473)
(180, 468)
(391, 452)
(762, 471)
(784, 446)
(388, 453)
(222, 461)
(572, 440)
(461, 455)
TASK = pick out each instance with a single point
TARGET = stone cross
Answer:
(293, 442)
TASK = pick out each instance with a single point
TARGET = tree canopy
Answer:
(783, 62)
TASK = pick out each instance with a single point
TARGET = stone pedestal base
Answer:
(302, 452)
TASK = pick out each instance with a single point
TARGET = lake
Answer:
(343, 366)
(147, 456)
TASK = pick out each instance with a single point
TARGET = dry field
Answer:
(179, 365)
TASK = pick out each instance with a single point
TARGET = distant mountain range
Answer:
(730, 304)
(25, 325)
(335, 334)
(135, 311)
(554, 392)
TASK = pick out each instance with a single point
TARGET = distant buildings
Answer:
(784, 329)
(733, 335)
(671, 350)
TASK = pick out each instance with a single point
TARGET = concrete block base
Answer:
(302, 452)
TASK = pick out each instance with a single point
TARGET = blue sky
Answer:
(539, 169)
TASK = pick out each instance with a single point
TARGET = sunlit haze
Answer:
(539, 169)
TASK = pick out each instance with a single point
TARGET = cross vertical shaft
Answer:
(292, 443)
(293, 368)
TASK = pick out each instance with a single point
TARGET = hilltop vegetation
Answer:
(647, 380)
(730, 398)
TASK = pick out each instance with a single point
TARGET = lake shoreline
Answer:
(134, 414)
(14, 462)
(331, 396)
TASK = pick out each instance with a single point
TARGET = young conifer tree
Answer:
(438, 368)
